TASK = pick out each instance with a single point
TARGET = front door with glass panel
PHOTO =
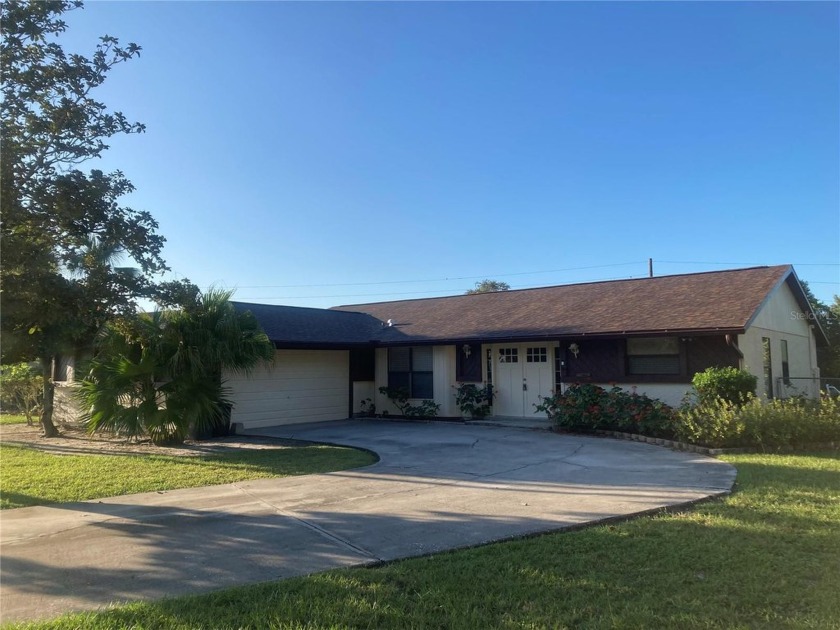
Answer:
(523, 375)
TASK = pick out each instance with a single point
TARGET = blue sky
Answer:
(316, 154)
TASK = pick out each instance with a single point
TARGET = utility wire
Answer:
(484, 276)
(510, 275)
(481, 277)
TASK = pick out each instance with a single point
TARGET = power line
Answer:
(442, 292)
(481, 277)
(510, 275)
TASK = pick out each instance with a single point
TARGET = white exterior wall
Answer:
(300, 386)
(381, 369)
(782, 318)
(444, 380)
(670, 393)
(361, 391)
(443, 375)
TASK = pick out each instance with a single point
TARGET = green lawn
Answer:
(9, 418)
(31, 477)
(766, 557)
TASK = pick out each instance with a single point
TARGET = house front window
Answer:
(411, 369)
(653, 356)
(785, 362)
(536, 355)
(768, 366)
(508, 355)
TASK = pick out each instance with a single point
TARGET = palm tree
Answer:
(160, 374)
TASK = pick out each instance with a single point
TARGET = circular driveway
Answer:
(437, 486)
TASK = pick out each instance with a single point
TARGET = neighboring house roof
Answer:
(294, 326)
(713, 302)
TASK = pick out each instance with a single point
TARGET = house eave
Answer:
(551, 336)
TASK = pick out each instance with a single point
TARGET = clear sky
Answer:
(317, 154)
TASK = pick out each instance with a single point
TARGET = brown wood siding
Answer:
(605, 361)
(706, 352)
(468, 369)
(362, 365)
(597, 361)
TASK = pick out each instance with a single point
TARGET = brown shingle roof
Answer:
(722, 301)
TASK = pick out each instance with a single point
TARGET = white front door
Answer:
(523, 373)
(538, 376)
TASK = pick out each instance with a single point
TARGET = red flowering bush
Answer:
(587, 408)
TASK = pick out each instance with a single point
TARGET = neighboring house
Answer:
(649, 335)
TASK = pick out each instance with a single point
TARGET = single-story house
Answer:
(648, 335)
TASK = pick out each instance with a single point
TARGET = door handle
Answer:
(524, 387)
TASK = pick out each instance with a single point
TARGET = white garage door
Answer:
(301, 386)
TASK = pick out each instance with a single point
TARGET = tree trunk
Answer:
(49, 396)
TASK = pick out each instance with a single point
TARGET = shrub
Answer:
(715, 423)
(160, 374)
(473, 400)
(367, 408)
(21, 390)
(588, 408)
(399, 396)
(773, 424)
(728, 383)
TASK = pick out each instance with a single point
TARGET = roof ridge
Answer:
(556, 286)
(289, 306)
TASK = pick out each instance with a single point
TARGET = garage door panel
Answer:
(268, 387)
(256, 398)
(301, 386)
(271, 420)
(273, 375)
(294, 402)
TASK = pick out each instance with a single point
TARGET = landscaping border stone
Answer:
(704, 450)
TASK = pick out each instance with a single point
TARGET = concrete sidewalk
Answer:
(436, 487)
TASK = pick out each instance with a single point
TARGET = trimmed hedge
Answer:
(728, 383)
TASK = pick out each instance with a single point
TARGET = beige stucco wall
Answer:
(300, 386)
(782, 318)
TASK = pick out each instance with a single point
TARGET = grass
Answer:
(9, 418)
(767, 556)
(30, 477)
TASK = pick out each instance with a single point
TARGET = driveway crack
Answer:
(540, 463)
(312, 526)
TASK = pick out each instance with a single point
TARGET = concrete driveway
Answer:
(437, 486)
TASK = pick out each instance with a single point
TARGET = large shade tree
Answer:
(828, 357)
(63, 229)
(160, 374)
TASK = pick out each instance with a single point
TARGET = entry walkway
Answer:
(437, 486)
